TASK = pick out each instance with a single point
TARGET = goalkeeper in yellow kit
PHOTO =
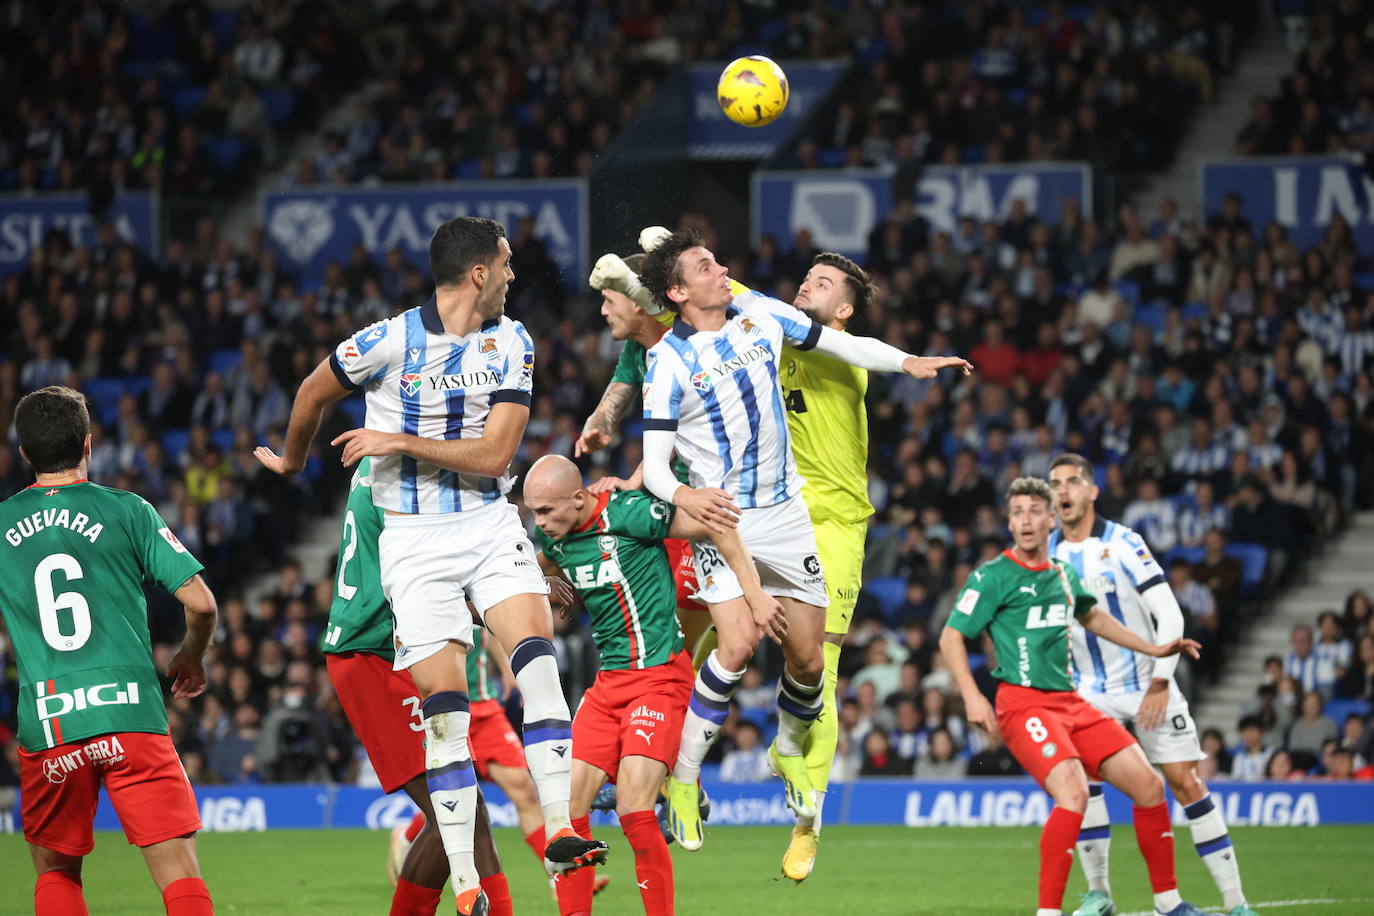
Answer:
(829, 426)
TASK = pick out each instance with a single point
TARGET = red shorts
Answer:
(383, 706)
(634, 712)
(1042, 728)
(141, 772)
(684, 573)
(492, 740)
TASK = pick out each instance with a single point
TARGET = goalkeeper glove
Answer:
(611, 272)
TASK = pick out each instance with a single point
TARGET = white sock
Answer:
(547, 729)
(1095, 841)
(1167, 900)
(1046, 911)
(814, 822)
(452, 782)
(1213, 843)
(798, 707)
(706, 713)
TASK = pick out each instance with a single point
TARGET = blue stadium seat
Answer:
(832, 157)
(1340, 707)
(224, 438)
(1152, 316)
(226, 151)
(279, 104)
(1192, 310)
(223, 23)
(975, 155)
(1253, 560)
(222, 361)
(468, 170)
(187, 99)
(890, 593)
(1016, 97)
(1190, 554)
(174, 442)
(105, 394)
(1364, 281)
(1130, 291)
(137, 386)
(355, 409)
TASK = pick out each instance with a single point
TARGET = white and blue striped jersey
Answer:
(719, 391)
(1118, 568)
(421, 380)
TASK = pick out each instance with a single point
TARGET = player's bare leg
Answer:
(736, 637)
(519, 788)
(57, 889)
(176, 872)
(799, 701)
(423, 868)
(523, 624)
(1130, 772)
(1210, 836)
(441, 679)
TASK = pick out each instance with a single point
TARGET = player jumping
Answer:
(383, 706)
(448, 393)
(1025, 599)
(712, 391)
(90, 704)
(829, 424)
(1118, 568)
(610, 547)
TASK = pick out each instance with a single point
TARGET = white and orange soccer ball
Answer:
(752, 91)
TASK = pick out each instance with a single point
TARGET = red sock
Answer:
(1155, 836)
(653, 865)
(57, 893)
(187, 897)
(413, 900)
(536, 841)
(1057, 840)
(575, 888)
(417, 823)
(498, 895)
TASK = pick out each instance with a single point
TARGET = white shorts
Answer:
(1176, 738)
(782, 542)
(434, 564)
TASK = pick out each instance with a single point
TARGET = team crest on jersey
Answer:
(1106, 553)
(488, 345)
(749, 326)
(702, 381)
(607, 544)
(411, 382)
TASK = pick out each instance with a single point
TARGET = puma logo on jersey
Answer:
(648, 738)
(1029, 590)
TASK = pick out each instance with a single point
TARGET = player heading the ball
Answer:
(448, 397)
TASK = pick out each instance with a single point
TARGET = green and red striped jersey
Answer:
(617, 563)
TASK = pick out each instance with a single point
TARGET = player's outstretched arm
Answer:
(187, 666)
(871, 353)
(1104, 625)
(605, 419)
(768, 614)
(488, 455)
(977, 709)
(320, 389)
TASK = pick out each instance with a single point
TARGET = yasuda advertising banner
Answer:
(714, 136)
(25, 219)
(972, 803)
(841, 207)
(1301, 193)
(311, 227)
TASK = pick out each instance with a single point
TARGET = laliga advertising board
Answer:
(308, 228)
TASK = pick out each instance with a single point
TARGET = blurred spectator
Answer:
(1308, 732)
(994, 760)
(1359, 679)
(941, 759)
(1302, 664)
(1249, 760)
(747, 761)
(293, 745)
(879, 758)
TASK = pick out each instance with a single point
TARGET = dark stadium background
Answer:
(1189, 354)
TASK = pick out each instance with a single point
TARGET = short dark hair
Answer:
(635, 261)
(52, 424)
(862, 290)
(1073, 459)
(461, 243)
(1250, 722)
(662, 269)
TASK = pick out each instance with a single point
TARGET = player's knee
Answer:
(734, 650)
(1147, 790)
(1073, 797)
(1187, 787)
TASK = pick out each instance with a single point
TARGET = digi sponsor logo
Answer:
(410, 383)
(53, 705)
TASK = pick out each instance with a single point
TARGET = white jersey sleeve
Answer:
(363, 359)
(663, 389)
(517, 378)
(1137, 562)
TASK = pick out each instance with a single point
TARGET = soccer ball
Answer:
(752, 91)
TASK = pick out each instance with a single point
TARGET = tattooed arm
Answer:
(601, 425)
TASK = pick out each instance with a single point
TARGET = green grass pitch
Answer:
(872, 871)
